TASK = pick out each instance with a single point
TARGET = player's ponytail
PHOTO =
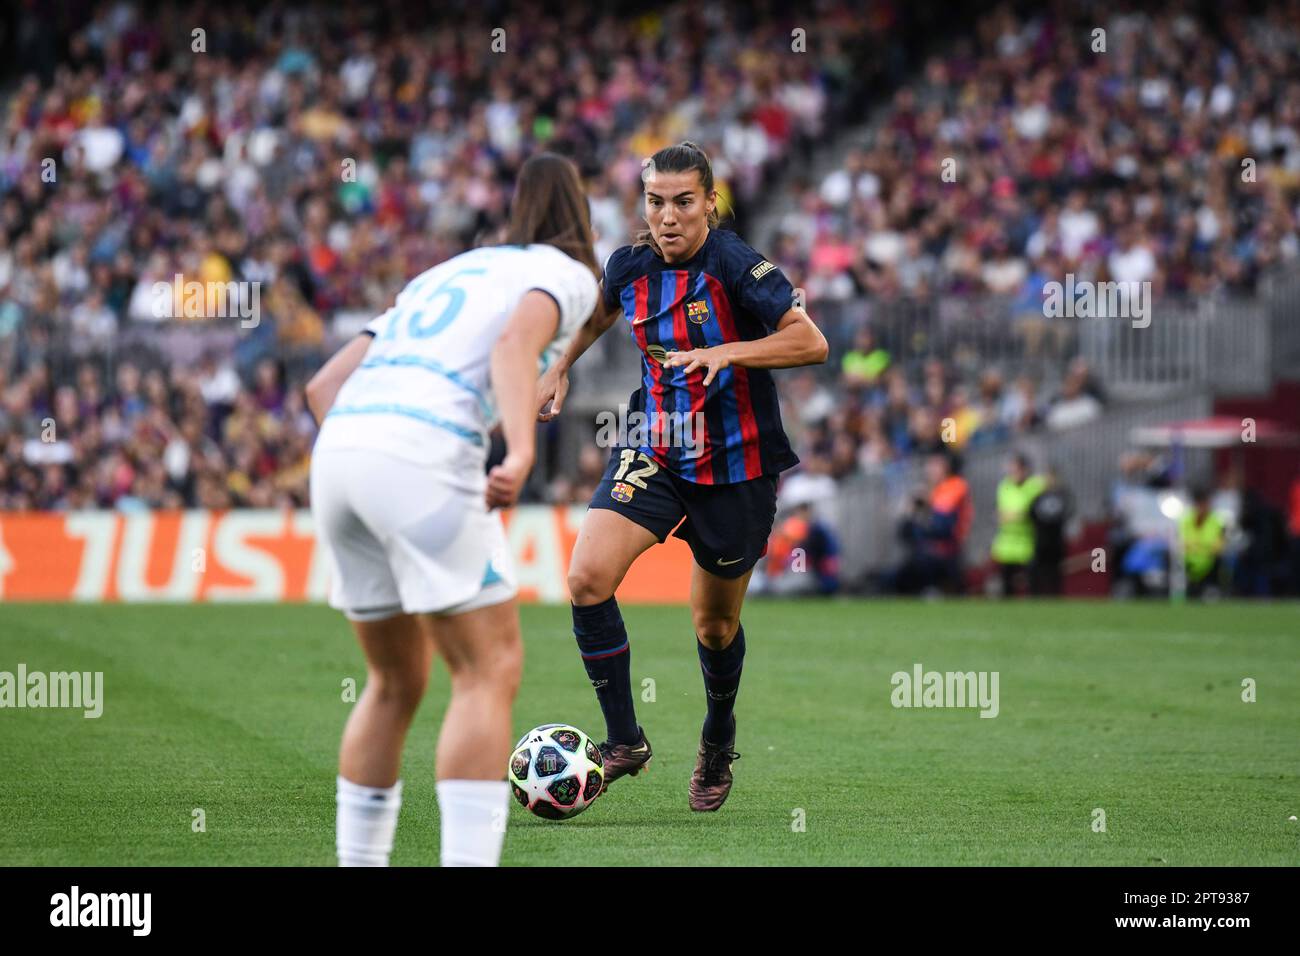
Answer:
(682, 158)
(550, 206)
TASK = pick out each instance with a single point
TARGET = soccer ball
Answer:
(556, 771)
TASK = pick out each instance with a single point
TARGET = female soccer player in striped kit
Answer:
(400, 497)
(711, 317)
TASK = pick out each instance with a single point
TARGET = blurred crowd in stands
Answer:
(161, 438)
(1171, 157)
(331, 152)
(328, 153)
(876, 414)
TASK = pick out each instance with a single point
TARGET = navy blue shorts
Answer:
(727, 526)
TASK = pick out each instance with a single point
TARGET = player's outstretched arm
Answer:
(553, 386)
(514, 383)
(796, 341)
(329, 378)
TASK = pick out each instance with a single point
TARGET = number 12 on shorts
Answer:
(637, 477)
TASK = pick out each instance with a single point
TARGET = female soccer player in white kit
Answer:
(400, 498)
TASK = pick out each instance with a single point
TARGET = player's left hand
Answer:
(506, 480)
(714, 359)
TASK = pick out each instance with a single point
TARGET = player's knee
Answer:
(508, 668)
(497, 672)
(402, 690)
(588, 585)
(714, 631)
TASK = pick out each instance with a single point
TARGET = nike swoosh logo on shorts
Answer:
(723, 564)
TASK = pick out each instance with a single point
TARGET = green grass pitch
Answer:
(1135, 709)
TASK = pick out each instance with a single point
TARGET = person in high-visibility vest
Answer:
(1013, 545)
(1203, 535)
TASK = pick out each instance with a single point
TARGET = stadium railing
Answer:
(1229, 345)
(1282, 300)
(1236, 345)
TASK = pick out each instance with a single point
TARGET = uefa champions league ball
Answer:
(556, 771)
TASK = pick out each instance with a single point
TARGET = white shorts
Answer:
(402, 537)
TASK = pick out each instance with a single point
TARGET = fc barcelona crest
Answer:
(698, 311)
(621, 491)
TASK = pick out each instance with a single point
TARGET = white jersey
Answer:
(423, 390)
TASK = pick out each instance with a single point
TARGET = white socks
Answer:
(367, 819)
(473, 816)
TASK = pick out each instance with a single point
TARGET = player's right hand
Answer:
(552, 389)
(506, 480)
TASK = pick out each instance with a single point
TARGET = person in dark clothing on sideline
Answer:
(1050, 513)
(934, 532)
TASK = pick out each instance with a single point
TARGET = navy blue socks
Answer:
(721, 671)
(602, 639)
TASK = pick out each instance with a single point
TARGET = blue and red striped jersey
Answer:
(726, 292)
